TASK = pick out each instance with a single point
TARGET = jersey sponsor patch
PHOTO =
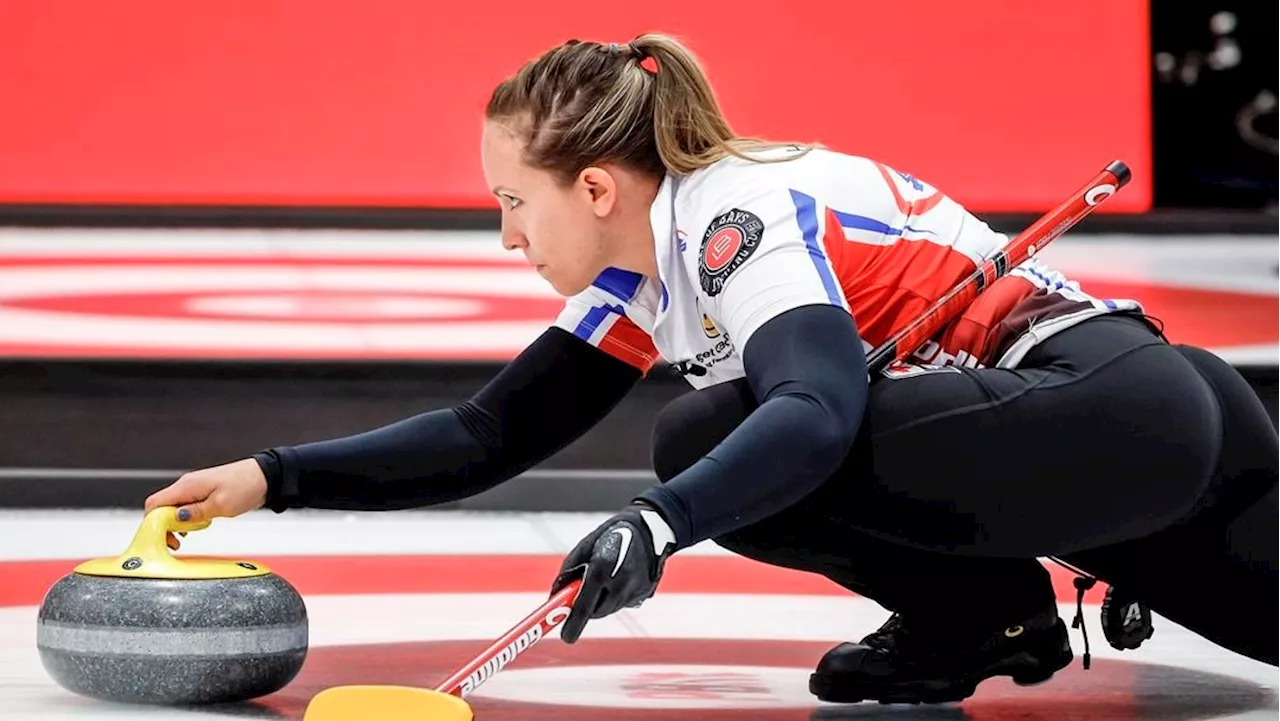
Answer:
(908, 369)
(709, 327)
(728, 242)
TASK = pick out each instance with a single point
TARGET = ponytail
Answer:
(584, 103)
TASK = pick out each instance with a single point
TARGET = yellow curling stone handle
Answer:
(148, 556)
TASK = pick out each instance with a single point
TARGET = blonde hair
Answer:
(583, 103)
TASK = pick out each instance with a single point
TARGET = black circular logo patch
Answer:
(247, 565)
(728, 242)
(132, 564)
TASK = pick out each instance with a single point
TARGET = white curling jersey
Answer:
(741, 242)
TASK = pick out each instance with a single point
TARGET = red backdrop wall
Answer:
(1006, 105)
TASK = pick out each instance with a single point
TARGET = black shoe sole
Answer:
(1023, 668)
(901, 694)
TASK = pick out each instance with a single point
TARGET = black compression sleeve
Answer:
(807, 369)
(551, 394)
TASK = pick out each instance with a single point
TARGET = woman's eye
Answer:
(513, 202)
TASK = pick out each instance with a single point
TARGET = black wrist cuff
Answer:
(282, 494)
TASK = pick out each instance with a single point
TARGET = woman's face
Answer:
(558, 227)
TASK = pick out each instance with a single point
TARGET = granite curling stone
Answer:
(148, 627)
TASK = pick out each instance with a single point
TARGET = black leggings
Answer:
(1148, 465)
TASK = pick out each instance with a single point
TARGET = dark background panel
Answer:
(1214, 99)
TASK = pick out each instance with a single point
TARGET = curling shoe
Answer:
(900, 663)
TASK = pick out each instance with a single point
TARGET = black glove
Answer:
(620, 564)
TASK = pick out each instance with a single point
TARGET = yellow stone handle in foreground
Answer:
(148, 556)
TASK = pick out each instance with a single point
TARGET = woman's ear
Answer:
(601, 189)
